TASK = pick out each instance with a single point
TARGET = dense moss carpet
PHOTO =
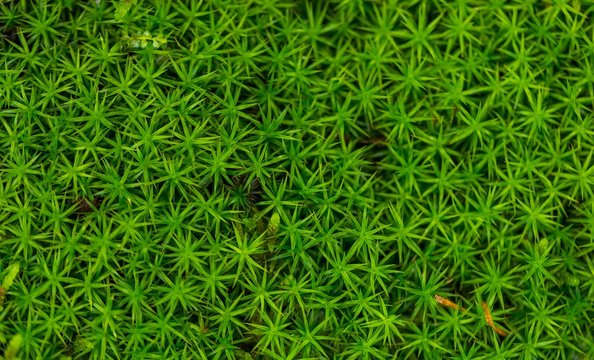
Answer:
(273, 179)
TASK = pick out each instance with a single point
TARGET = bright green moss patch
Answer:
(275, 179)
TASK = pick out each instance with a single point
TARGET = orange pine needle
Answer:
(488, 316)
(499, 331)
(489, 320)
(448, 303)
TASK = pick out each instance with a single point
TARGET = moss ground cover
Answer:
(274, 179)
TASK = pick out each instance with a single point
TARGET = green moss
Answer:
(276, 179)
